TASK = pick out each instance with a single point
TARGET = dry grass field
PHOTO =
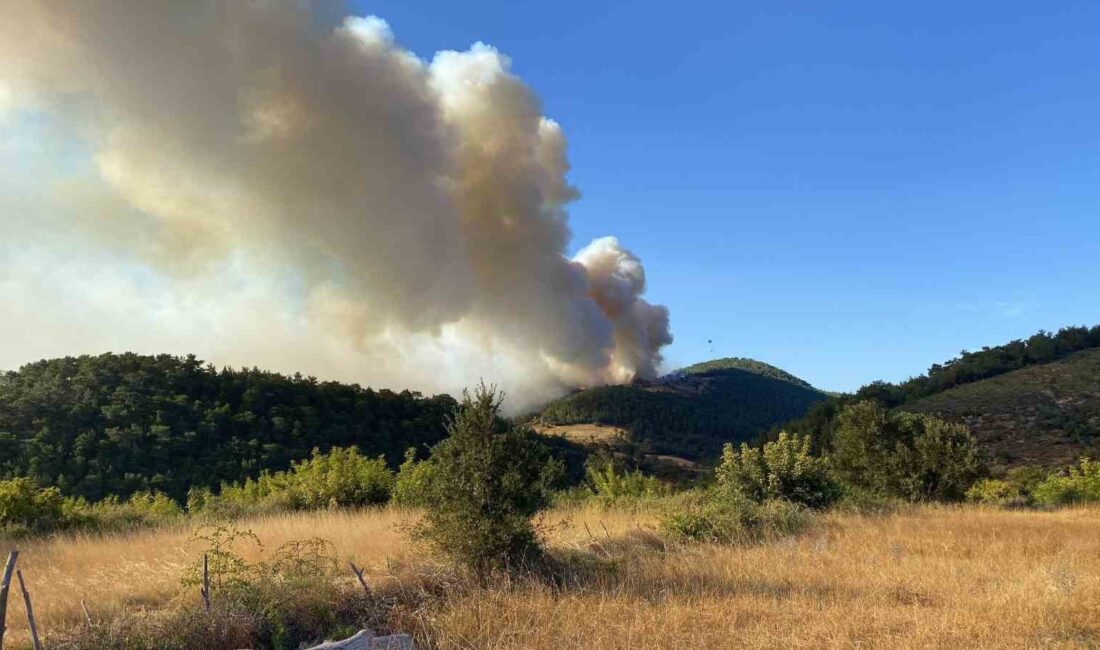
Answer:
(934, 577)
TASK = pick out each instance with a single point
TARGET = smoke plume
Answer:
(314, 196)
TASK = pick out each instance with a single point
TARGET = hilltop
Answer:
(739, 363)
(692, 412)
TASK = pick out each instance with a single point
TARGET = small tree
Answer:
(488, 480)
(907, 455)
(782, 469)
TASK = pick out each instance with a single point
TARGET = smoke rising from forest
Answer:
(264, 189)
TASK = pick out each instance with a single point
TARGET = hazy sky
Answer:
(849, 190)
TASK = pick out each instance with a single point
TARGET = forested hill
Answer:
(692, 414)
(738, 363)
(113, 424)
(1034, 400)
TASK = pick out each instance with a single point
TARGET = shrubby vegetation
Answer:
(26, 508)
(297, 595)
(780, 469)
(1080, 484)
(487, 480)
(118, 424)
(342, 478)
(906, 455)
(724, 517)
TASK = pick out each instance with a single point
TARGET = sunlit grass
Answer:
(929, 577)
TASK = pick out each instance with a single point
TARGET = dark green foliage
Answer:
(690, 415)
(907, 455)
(487, 481)
(117, 424)
(781, 469)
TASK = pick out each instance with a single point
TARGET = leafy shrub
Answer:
(609, 482)
(413, 482)
(1026, 478)
(26, 507)
(340, 478)
(732, 518)
(782, 469)
(908, 455)
(488, 480)
(996, 492)
(1080, 484)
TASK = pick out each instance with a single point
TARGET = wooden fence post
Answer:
(30, 611)
(5, 585)
(205, 589)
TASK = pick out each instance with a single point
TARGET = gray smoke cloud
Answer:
(316, 196)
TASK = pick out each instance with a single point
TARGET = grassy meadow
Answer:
(924, 576)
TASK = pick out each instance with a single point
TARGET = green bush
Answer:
(907, 455)
(412, 486)
(782, 469)
(609, 482)
(732, 518)
(1080, 484)
(488, 480)
(995, 492)
(24, 507)
(342, 478)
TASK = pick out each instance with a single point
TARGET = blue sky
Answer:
(849, 190)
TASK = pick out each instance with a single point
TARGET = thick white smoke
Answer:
(307, 187)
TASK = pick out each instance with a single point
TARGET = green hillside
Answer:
(114, 424)
(1032, 400)
(1046, 414)
(692, 414)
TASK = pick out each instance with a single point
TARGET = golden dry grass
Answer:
(931, 577)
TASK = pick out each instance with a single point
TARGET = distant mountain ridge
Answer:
(692, 412)
(1028, 401)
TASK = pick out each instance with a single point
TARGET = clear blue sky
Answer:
(849, 190)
